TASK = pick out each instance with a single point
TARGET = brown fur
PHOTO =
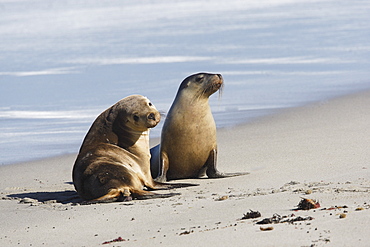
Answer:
(114, 159)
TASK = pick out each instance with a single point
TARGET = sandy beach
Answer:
(319, 152)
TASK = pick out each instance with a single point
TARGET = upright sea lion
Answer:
(114, 159)
(188, 147)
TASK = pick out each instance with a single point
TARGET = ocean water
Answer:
(64, 62)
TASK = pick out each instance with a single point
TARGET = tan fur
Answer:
(114, 159)
(188, 147)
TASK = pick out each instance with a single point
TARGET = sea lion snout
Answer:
(151, 116)
(219, 79)
(154, 116)
(219, 83)
(214, 83)
(153, 119)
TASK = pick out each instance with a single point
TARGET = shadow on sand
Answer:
(64, 197)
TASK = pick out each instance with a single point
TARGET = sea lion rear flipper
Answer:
(143, 195)
(164, 186)
(212, 171)
(231, 174)
(113, 195)
(122, 195)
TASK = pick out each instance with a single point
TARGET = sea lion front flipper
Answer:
(163, 168)
(212, 171)
(155, 160)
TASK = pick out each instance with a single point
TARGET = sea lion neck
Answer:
(189, 96)
(127, 136)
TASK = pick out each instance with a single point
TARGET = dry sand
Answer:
(320, 151)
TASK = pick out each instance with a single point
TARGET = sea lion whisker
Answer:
(220, 91)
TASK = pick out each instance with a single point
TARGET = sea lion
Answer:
(114, 159)
(188, 147)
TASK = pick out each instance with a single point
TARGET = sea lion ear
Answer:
(135, 116)
(184, 84)
(111, 114)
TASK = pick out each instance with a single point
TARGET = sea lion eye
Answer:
(136, 118)
(199, 79)
(150, 104)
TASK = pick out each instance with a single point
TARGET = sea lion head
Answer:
(202, 84)
(138, 113)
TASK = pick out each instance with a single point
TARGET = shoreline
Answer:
(319, 151)
(260, 116)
